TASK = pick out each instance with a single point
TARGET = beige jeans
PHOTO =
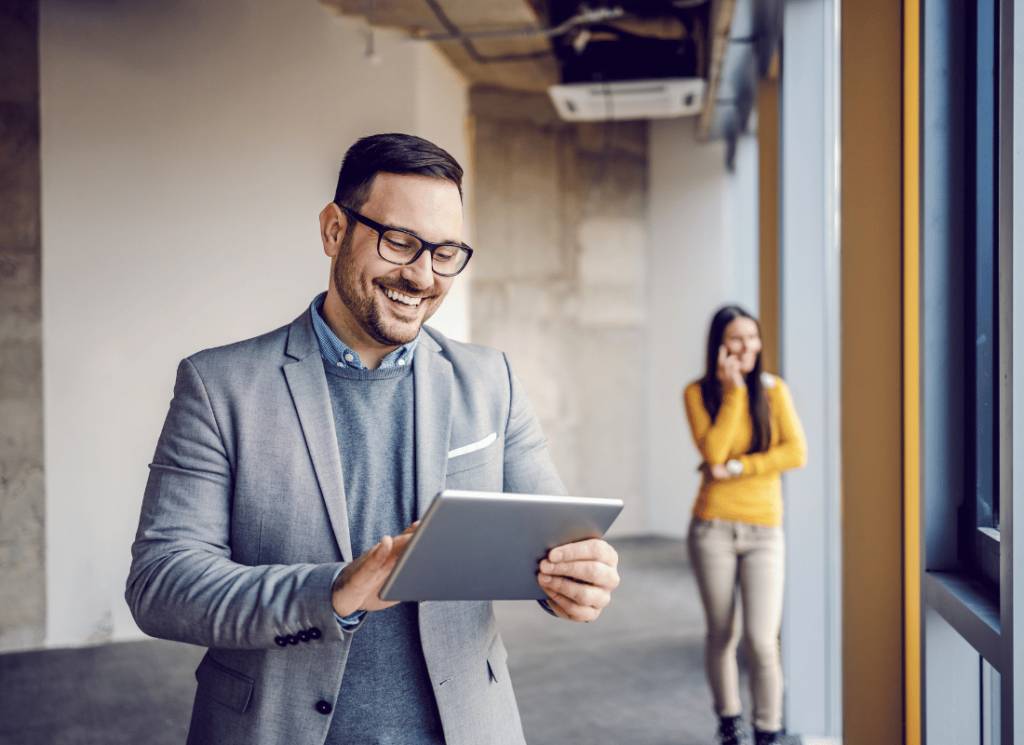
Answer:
(727, 555)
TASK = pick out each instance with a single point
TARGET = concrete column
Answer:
(558, 282)
(22, 575)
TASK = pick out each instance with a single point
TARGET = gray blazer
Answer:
(244, 526)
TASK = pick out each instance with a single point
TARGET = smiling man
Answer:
(371, 301)
(292, 468)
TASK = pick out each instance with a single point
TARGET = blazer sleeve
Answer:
(715, 440)
(791, 449)
(529, 467)
(183, 584)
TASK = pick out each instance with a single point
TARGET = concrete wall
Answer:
(561, 210)
(22, 582)
(605, 260)
(702, 224)
(187, 151)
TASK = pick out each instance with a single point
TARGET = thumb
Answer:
(364, 578)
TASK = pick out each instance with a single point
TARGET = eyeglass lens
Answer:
(399, 248)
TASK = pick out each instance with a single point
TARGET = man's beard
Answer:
(361, 300)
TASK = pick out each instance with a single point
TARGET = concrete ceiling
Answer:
(518, 62)
(502, 43)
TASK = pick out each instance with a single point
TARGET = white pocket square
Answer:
(474, 446)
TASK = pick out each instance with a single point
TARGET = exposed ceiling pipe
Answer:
(590, 16)
(474, 54)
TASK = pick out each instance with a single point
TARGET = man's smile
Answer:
(398, 297)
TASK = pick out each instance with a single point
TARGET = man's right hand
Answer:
(359, 583)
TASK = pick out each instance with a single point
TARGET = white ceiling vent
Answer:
(631, 99)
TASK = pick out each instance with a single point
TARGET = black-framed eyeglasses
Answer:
(402, 247)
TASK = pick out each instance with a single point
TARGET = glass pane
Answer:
(398, 246)
(984, 211)
(449, 259)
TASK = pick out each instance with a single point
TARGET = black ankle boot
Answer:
(730, 730)
(767, 738)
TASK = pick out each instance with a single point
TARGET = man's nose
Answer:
(420, 272)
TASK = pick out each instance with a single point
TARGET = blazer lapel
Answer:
(432, 420)
(307, 383)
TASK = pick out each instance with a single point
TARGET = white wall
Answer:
(703, 253)
(187, 151)
(810, 333)
(742, 227)
(441, 117)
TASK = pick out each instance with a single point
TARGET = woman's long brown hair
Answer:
(711, 386)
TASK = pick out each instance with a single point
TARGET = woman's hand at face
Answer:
(729, 369)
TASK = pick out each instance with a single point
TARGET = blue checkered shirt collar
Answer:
(335, 352)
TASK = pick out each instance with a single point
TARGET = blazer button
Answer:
(280, 641)
(292, 639)
(303, 636)
(323, 707)
(314, 633)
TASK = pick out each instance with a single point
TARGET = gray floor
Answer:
(633, 676)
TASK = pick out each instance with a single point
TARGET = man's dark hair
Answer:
(391, 153)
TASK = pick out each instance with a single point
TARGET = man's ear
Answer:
(333, 223)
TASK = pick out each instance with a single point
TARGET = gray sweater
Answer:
(386, 696)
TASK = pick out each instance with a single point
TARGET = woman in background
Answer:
(747, 432)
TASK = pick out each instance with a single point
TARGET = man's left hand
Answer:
(579, 578)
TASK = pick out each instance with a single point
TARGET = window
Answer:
(979, 518)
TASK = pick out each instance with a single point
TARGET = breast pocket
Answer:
(475, 466)
(473, 454)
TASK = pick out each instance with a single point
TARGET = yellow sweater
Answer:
(756, 495)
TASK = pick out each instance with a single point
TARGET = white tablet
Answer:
(488, 546)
